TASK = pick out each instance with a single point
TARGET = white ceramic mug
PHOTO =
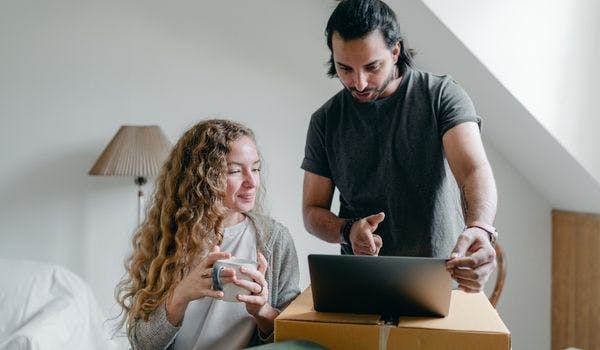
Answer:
(230, 290)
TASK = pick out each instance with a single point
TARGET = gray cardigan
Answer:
(282, 275)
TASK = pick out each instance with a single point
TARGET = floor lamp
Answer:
(137, 151)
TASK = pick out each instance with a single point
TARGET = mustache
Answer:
(363, 91)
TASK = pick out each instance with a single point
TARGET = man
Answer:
(391, 141)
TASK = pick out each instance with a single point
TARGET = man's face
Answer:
(366, 66)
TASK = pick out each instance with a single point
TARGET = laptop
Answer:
(390, 286)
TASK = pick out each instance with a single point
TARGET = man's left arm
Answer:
(473, 258)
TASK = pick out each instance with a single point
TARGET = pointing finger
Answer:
(375, 220)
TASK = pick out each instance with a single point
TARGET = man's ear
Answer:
(396, 51)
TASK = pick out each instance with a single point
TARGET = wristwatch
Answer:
(491, 230)
(345, 235)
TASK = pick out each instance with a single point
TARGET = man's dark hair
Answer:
(354, 19)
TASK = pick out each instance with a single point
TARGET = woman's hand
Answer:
(257, 303)
(197, 285)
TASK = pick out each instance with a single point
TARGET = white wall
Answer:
(72, 72)
(524, 222)
(545, 53)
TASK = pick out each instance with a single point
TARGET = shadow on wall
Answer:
(45, 211)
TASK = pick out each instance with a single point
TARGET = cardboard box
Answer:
(472, 323)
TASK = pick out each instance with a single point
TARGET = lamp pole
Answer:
(140, 181)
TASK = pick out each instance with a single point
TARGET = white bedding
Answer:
(46, 306)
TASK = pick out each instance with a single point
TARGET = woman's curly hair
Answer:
(184, 218)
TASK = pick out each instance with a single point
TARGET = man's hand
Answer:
(472, 260)
(364, 241)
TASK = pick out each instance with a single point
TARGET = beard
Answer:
(377, 91)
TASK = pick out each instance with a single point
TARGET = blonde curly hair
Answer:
(184, 218)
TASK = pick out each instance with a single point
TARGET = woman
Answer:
(202, 211)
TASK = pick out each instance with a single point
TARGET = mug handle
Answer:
(216, 272)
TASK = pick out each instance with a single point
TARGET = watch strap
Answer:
(345, 231)
(491, 230)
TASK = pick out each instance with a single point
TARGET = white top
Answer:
(215, 324)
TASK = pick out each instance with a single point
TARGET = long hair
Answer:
(184, 218)
(355, 19)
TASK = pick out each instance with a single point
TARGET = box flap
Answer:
(302, 310)
(468, 312)
(471, 312)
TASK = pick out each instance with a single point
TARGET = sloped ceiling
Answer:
(508, 126)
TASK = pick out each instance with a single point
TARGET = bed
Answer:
(45, 306)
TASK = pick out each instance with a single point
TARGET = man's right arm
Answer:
(317, 195)
(321, 222)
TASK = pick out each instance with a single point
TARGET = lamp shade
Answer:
(134, 151)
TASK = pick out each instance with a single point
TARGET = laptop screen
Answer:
(386, 285)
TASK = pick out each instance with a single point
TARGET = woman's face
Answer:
(243, 176)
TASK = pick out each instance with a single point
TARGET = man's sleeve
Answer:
(455, 107)
(315, 151)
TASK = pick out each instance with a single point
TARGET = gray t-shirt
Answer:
(387, 155)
